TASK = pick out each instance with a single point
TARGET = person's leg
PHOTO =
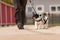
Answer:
(18, 18)
(18, 12)
(23, 18)
(22, 14)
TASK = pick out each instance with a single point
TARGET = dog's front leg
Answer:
(36, 26)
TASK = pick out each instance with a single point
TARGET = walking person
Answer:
(20, 7)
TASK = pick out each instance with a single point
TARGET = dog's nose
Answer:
(40, 14)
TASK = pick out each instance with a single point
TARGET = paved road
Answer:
(29, 33)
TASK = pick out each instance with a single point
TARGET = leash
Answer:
(33, 7)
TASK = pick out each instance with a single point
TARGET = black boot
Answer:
(20, 26)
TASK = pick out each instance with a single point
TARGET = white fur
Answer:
(46, 25)
(40, 24)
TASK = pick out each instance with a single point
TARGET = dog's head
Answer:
(45, 14)
(35, 16)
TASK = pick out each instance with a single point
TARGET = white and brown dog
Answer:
(38, 21)
(45, 20)
(41, 21)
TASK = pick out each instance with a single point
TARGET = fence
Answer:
(54, 19)
(6, 14)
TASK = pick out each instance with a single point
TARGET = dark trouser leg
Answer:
(18, 18)
(22, 18)
(20, 12)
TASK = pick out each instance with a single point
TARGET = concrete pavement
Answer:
(51, 30)
(29, 33)
(29, 29)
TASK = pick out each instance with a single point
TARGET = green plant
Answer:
(8, 1)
